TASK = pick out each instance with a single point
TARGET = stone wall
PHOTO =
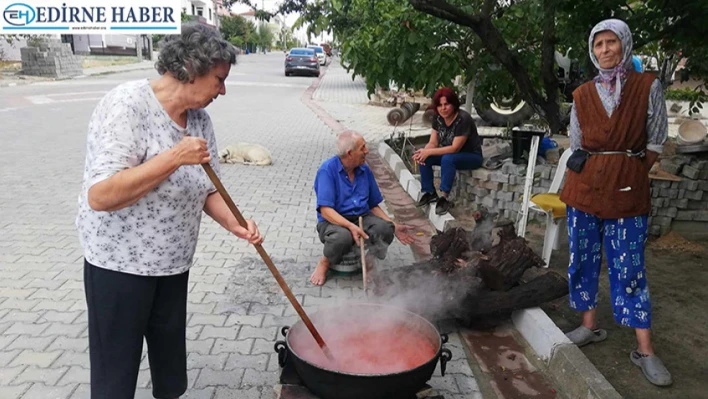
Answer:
(502, 190)
(52, 59)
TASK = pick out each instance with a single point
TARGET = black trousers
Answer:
(338, 241)
(122, 309)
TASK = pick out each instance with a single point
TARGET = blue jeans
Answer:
(449, 165)
(623, 240)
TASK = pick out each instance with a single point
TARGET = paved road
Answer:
(235, 308)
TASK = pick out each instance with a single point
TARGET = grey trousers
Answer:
(338, 241)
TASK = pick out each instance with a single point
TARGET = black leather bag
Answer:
(577, 160)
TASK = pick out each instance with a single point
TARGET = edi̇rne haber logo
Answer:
(85, 17)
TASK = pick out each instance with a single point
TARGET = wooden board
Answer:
(657, 174)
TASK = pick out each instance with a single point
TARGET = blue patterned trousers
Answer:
(624, 241)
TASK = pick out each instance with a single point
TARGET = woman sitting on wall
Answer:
(454, 145)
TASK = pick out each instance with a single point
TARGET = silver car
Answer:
(302, 61)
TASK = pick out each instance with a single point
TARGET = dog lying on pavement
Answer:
(245, 153)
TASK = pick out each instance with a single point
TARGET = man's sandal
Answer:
(582, 336)
(653, 368)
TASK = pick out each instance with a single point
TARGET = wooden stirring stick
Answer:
(363, 256)
(281, 282)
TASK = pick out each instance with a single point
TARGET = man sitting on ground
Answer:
(346, 189)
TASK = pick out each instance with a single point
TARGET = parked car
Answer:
(321, 55)
(302, 61)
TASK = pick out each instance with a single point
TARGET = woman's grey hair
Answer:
(346, 141)
(194, 52)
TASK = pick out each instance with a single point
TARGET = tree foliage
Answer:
(507, 46)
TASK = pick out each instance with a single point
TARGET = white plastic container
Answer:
(691, 132)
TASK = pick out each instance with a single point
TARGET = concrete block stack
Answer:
(684, 201)
(52, 59)
(501, 190)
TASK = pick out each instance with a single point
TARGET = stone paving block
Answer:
(333, 292)
(6, 340)
(43, 375)
(12, 283)
(69, 358)
(18, 293)
(20, 316)
(8, 374)
(466, 383)
(253, 378)
(240, 361)
(258, 308)
(75, 375)
(16, 392)
(68, 330)
(34, 358)
(279, 321)
(240, 320)
(273, 364)
(228, 393)
(27, 342)
(201, 346)
(42, 391)
(228, 333)
(232, 346)
(31, 329)
(47, 284)
(267, 333)
(83, 391)
(205, 308)
(218, 378)
(60, 317)
(202, 319)
(197, 361)
(265, 346)
(205, 393)
(446, 383)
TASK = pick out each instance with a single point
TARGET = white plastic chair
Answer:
(546, 203)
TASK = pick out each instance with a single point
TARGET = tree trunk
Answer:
(544, 288)
(548, 107)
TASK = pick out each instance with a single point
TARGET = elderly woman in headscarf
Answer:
(617, 131)
(140, 209)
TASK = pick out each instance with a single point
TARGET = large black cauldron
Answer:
(330, 384)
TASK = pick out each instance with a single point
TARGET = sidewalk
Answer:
(235, 308)
(13, 79)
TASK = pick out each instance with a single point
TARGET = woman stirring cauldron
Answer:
(617, 131)
(140, 208)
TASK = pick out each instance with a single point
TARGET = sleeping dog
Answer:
(245, 153)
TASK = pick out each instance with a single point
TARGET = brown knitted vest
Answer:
(612, 186)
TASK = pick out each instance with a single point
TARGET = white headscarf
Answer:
(617, 75)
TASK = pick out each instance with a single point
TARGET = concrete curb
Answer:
(412, 185)
(570, 368)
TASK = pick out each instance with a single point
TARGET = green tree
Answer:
(508, 46)
(238, 31)
(264, 37)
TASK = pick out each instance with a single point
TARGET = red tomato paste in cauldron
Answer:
(377, 348)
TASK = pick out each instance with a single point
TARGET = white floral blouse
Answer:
(157, 235)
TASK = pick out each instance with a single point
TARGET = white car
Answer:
(321, 55)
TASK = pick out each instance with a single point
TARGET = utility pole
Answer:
(139, 47)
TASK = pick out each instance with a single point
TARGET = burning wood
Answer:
(475, 275)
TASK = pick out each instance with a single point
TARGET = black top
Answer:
(463, 125)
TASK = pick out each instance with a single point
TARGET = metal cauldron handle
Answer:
(445, 356)
(444, 338)
(284, 330)
(282, 350)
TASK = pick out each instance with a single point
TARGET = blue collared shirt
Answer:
(334, 189)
